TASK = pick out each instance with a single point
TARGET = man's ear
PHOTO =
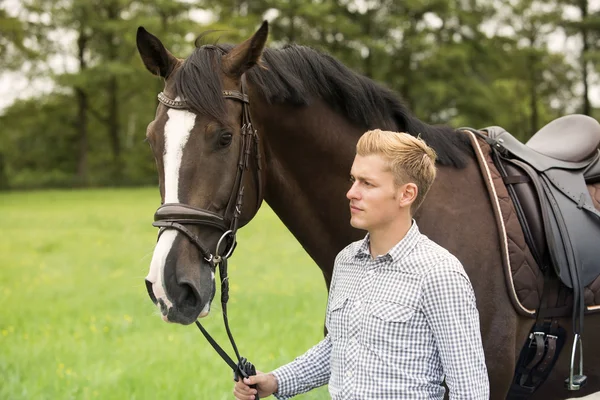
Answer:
(155, 56)
(246, 54)
(407, 194)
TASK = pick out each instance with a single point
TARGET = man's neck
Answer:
(382, 240)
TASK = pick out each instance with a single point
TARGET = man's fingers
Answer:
(240, 396)
(243, 392)
(243, 397)
(243, 388)
(255, 379)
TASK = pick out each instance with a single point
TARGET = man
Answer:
(401, 314)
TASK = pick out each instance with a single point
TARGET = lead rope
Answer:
(243, 368)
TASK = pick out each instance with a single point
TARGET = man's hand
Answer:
(265, 383)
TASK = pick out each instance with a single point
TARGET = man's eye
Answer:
(367, 183)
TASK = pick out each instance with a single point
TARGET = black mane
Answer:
(296, 74)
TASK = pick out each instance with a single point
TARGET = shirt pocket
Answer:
(389, 326)
(391, 312)
(337, 324)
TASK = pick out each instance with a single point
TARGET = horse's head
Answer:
(209, 168)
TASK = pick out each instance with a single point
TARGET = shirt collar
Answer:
(403, 247)
(363, 248)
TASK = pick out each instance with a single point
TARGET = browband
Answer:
(182, 105)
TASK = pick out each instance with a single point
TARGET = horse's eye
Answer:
(225, 139)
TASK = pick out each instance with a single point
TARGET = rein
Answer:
(176, 216)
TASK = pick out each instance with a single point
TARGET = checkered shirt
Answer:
(398, 325)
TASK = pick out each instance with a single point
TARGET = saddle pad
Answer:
(524, 279)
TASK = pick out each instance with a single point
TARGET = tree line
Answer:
(464, 63)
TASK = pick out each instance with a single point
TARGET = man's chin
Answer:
(357, 224)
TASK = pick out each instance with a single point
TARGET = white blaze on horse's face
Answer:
(177, 131)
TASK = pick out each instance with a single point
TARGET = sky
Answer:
(15, 85)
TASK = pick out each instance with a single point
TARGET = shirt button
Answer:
(357, 304)
(348, 374)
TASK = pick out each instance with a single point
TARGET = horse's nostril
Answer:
(188, 297)
(150, 291)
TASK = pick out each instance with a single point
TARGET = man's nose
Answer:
(351, 194)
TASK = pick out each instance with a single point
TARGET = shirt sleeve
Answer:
(313, 368)
(450, 308)
(306, 372)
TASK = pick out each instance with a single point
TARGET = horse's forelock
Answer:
(198, 82)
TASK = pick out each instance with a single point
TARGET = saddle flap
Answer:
(573, 239)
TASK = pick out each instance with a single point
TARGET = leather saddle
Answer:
(549, 177)
(549, 180)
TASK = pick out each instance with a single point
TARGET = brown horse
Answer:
(309, 111)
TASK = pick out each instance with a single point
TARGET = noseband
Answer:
(177, 216)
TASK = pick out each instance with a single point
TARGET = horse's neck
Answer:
(309, 152)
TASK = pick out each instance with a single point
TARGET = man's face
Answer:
(375, 200)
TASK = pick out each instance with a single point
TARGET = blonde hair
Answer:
(410, 159)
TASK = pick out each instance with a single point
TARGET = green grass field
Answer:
(77, 323)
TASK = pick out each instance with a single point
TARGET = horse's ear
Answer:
(155, 56)
(247, 54)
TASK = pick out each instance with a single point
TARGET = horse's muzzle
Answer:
(185, 308)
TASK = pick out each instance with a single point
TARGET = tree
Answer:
(37, 142)
(108, 78)
(12, 40)
(587, 27)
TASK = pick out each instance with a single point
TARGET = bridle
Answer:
(177, 216)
